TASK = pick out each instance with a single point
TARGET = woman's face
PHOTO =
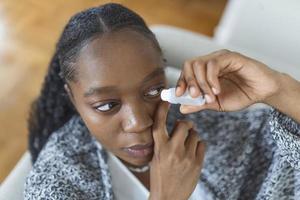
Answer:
(120, 76)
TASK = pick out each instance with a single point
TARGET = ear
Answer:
(69, 92)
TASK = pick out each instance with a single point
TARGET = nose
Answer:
(136, 119)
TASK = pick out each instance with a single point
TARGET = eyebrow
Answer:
(92, 90)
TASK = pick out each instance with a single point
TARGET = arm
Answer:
(287, 99)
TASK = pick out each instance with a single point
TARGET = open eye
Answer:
(154, 92)
(106, 106)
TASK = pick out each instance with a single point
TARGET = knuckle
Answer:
(199, 63)
(212, 62)
(187, 64)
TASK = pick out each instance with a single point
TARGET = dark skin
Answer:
(121, 115)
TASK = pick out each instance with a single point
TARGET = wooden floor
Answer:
(28, 32)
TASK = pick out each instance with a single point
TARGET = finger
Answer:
(224, 59)
(213, 76)
(181, 85)
(191, 142)
(187, 109)
(181, 132)
(226, 62)
(199, 68)
(159, 129)
(200, 152)
(190, 79)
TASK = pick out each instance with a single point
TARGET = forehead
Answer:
(117, 58)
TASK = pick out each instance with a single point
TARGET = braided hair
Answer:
(53, 108)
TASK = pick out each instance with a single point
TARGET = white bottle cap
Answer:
(168, 95)
(165, 95)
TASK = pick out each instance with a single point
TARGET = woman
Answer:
(101, 98)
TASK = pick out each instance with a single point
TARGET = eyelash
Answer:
(111, 104)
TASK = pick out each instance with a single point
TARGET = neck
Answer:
(144, 177)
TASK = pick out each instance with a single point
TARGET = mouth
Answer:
(139, 150)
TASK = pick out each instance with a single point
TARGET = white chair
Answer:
(267, 27)
(13, 186)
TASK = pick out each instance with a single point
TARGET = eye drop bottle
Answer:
(185, 99)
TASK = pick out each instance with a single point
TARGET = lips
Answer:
(141, 146)
(140, 150)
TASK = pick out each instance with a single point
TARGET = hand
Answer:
(176, 165)
(229, 81)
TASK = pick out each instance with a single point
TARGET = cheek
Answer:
(105, 128)
(152, 107)
(107, 132)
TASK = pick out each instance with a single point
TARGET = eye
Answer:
(106, 106)
(154, 92)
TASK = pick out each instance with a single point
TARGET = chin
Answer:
(136, 161)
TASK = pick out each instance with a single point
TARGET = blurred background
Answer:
(29, 30)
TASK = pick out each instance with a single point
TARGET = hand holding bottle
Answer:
(228, 80)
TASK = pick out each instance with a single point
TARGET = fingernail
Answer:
(182, 109)
(208, 98)
(215, 91)
(193, 91)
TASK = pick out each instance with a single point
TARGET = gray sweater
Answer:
(251, 154)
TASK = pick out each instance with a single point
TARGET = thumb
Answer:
(187, 109)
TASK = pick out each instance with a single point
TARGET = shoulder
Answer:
(66, 165)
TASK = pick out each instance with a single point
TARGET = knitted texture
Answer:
(251, 154)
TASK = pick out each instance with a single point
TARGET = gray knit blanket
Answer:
(251, 154)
